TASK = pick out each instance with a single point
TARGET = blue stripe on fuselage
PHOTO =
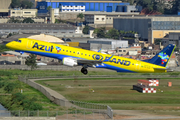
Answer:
(118, 69)
(60, 57)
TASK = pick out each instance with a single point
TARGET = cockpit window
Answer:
(18, 41)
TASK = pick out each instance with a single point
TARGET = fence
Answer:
(71, 114)
(60, 100)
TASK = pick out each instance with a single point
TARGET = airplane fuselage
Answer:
(120, 64)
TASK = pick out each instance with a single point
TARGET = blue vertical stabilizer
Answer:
(163, 56)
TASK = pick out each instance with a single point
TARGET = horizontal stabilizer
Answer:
(167, 69)
(160, 68)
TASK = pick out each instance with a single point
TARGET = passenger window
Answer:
(70, 51)
(81, 53)
(85, 54)
(66, 50)
(73, 52)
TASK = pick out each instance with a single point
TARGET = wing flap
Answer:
(83, 61)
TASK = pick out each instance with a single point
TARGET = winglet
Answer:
(99, 50)
(107, 60)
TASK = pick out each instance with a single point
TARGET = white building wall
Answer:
(23, 13)
(99, 19)
(73, 8)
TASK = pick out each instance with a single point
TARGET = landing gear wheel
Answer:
(84, 71)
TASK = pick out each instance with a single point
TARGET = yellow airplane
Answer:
(71, 56)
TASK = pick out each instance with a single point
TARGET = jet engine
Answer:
(69, 61)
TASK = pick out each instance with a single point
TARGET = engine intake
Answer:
(69, 62)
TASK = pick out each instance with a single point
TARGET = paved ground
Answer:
(141, 115)
(27, 118)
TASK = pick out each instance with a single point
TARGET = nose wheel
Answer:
(84, 71)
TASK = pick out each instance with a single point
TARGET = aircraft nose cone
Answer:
(8, 45)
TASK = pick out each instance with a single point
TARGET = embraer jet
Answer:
(71, 56)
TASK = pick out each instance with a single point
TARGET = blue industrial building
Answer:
(105, 6)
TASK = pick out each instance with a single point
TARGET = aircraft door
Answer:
(138, 65)
(29, 44)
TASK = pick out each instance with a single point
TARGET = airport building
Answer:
(80, 6)
(58, 30)
(37, 28)
(133, 50)
(22, 12)
(36, 19)
(4, 7)
(106, 44)
(173, 38)
(104, 17)
(149, 27)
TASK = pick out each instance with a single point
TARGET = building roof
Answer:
(110, 13)
(72, 3)
(148, 16)
(103, 1)
(111, 40)
(36, 26)
(42, 37)
(46, 38)
(16, 53)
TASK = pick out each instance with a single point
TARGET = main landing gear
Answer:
(84, 71)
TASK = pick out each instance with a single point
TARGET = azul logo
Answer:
(164, 57)
(97, 57)
(43, 47)
(119, 61)
(58, 49)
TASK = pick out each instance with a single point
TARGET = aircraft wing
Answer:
(88, 62)
(92, 62)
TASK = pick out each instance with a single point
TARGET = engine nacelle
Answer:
(69, 61)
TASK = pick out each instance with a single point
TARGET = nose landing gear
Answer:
(84, 71)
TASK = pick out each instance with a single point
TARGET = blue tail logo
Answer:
(164, 57)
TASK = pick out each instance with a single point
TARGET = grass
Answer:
(118, 93)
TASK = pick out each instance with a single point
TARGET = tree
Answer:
(4, 48)
(25, 4)
(86, 29)
(9, 87)
(31, 61)
(113, 33)
(15, 3)
(157, 42)
(101, 32)
(28, 20)
(175, 7)
(80, 15)
(49, 8)
(13, 20)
